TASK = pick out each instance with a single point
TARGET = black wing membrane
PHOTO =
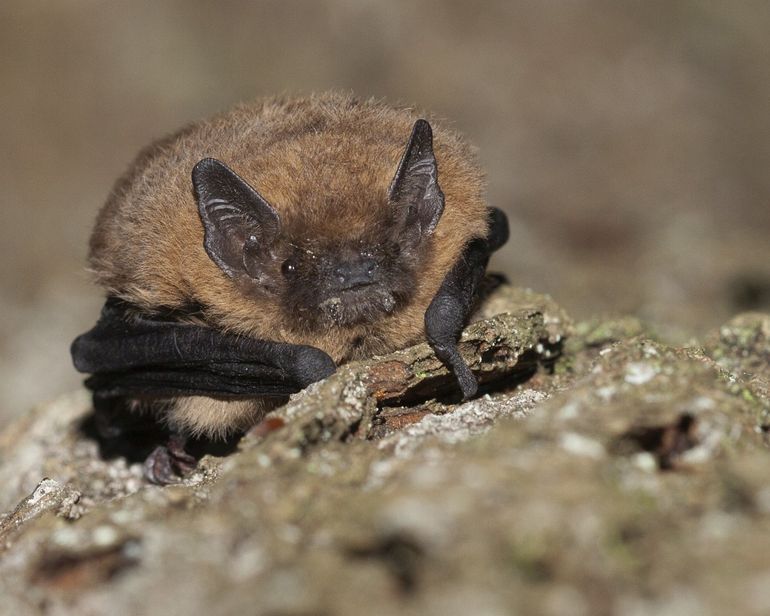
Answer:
(135, 355)
(447, 313)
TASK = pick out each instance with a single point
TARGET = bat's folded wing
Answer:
(131, 355)
(448, 312)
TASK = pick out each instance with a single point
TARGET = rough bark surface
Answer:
(600, 472)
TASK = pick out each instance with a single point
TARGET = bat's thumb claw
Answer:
(467, 381)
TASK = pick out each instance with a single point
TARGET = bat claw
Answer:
(468, 383)
(451, 358)
(465, 378)
(168, 463)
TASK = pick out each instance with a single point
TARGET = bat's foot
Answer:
(169, 463)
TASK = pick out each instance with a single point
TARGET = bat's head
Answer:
(333, 272)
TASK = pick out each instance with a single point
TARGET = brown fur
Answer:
(329, 158)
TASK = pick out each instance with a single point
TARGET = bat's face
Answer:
(346, 282)
(325, 281)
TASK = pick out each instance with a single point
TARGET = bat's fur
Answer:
(325, 164)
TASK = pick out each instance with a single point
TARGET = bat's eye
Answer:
(289, 268)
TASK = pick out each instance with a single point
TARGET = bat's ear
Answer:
(239, 225)
(414, 191)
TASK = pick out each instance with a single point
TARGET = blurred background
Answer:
(629, 141)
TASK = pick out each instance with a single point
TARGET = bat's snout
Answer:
(355, 273)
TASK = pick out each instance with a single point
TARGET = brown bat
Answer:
(314, 231)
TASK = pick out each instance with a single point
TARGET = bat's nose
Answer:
(355, 273)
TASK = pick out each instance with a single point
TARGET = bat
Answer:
(248, 255)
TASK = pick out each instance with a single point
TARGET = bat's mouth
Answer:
(358, 286)
(363, 302)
